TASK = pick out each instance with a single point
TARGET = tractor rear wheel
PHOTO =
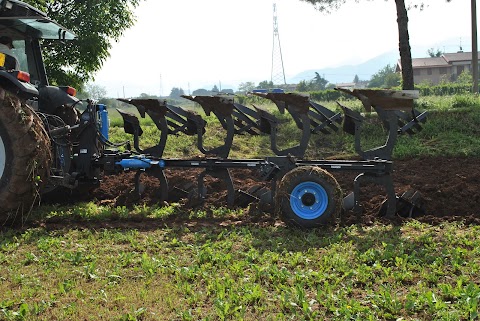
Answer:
(25, 158)
(308, 197)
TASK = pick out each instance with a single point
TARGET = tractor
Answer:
(45, 142)
(51, 141)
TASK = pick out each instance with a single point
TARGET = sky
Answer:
(192, 44)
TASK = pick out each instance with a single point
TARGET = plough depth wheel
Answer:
(308, 196)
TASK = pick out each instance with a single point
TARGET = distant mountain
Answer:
(347, 73)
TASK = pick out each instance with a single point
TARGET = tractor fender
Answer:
(51, 97)
(22, 89)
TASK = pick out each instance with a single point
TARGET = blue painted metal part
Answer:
(309, 200)
(140, 163)
(270, 90)
(133, 163)
(104, 121)
(260, 91)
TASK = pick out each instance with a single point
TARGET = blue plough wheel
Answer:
(308, 197)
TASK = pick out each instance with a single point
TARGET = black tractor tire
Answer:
(25, 158)
(308, 197)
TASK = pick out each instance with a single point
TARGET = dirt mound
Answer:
(448, 185)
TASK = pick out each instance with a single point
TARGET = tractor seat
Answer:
(8, 62)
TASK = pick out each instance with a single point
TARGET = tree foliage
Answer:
(246, 86)
(97, 23)
(434, 52)
(93, 91)
(148, 96)
(176, 93)
(265, 84)
(465, 78)
(303, 86)
(201, 92)
(385, 78)
(317, 83)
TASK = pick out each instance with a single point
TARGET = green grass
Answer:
(93, 262)
(409, 272)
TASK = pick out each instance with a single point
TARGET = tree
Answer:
(176, 92)
(265, 84)
(201, 92)
(303, 86)
(246, 86)
(356, 80)
(95, 92)
(465, 78)
(148, 96)
(97, 23)
(215, 89)
(318, 82)
(392, 80)
(434, 53)
(403, 36)
(385, 78)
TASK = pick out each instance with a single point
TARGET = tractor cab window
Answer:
(23, 52)
(27, 31)
(19, 53)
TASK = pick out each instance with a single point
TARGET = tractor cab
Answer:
(73, 145)
(27, 27)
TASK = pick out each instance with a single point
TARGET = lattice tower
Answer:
(278, 71)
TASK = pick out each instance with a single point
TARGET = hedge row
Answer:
(425, 90)
(333, 95)
(444, 90)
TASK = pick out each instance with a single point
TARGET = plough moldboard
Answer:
(303, 191)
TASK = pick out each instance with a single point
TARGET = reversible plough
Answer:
(303, 191)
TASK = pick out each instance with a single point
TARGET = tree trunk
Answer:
(404, 45)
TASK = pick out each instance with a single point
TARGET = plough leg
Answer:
(222, 174)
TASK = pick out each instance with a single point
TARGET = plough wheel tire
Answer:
(25, 158)
(308, 197)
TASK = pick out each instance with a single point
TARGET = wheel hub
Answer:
(3, 157)
(309, 200)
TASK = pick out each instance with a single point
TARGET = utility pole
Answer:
(161, 87)
(278, 72)
(474, 47)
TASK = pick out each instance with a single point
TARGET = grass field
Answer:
(382, 272)
(92, 262)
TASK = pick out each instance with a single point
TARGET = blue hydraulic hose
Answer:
(140, 163)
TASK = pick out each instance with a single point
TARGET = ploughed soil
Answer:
(449, 186)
